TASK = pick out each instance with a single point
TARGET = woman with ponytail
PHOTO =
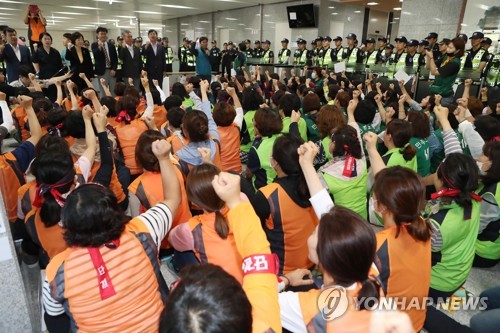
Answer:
(214, 242)
(131, 125)
(344, 246)
(284, 208)
(397, 139)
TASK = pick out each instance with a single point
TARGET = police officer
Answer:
(248, 50)
(353, 54)
(397, 60)
(421, 51)
(215, 57)
(432, 38)
(412, 56)
(492, 70)
(267, 53)
(338, 50)
(169, 55)
(138, 42)
(464, 37)
(326, 56)
(382, 43)
(118, 45)
(257, 51)
(319, 50)
(227, 59)
(442, 47)
(301, 56)
(370, 53)
(389, 48)
(466, 52)
(186, 58)
(284, 53)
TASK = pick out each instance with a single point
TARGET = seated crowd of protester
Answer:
(260, 191)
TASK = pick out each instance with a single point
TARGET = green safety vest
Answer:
(92, 57)
(302, 127)
(416, 59)
(463, 59)
(423, 155)
(349, 193)
(188, 103)
(444, 86)
(492, 76)
(393, 66)
(264, 152)
(353, 57)
(326, 59)
(477, 58)
(282, 57)
(326, 146)
(169, 56)
(336, 53)
(248, 119)
(452, 263)
(396, 158)
(120, 62)
(300, 57)
(488, 241)
(371, 59)
(265, 57)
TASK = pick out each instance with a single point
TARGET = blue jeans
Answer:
(488, 321)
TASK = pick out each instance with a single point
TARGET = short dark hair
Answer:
(172, 101)
(76, 35)
(92, 217)
(224, 114)
(487, 126)
(101, 29)
(74, 124)
(67, 35)
(288, 103)
(144, 153)
(10, 30)
(267, 122)
(311, 102)
(175, 115)
(25, 70)
(419, 124)
(365, 112)
(178, 89)
(152, 30)
(198, 300)
(110, 103)
(492, 151)
(43, 34)
(120, 88)
(129, 104)
(251, 99)
(203, 38)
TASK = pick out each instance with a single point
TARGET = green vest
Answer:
(282, 57)
(92, 57)
(477, 59)
(492, 76)
(248, 119)
(191, 59)
(169, 55)
(444, 86)
(326, 59)
(265, 57)
(188, 103)
(302, 127)
(353, 57)
(488, 241)
(120, 62)
(326, 146)
(349, 193)
(238, 63)
(264, 151)
(300, 57)
(371, 59)
(423, 156)
(415, 61)
(451, 265)
(396, 66)
(396, 158)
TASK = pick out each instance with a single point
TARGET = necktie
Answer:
(108, 62)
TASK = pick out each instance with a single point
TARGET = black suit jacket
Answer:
(100, 58)
(10, 58)
(155, 64)
(131, 67)
(80, 67)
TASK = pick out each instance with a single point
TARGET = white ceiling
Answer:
(87, 14)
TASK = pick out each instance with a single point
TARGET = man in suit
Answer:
(131, 58)
(14, 55)
(155, 63)
(105, 59)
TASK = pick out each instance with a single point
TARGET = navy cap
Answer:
(432, 35)
(402, 39)
(487, 41)
(248, 41)
(338, 38)
(266, 42)
(285, 40)
(424, 42)
(257, 42)
(477, 35)
(389, 46)
(230, 43)
(370, 40)
(412, 42)
(352, 36)
(383, 39)
(185, 39)
(319, 38)
(327, 38)
(138, 39)
(313, 42)
(301, 41)
(463, 36)
(445, 41)
(119, 38)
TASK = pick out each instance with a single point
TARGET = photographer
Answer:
(36, 24)
(446, 70)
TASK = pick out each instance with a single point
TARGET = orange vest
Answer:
(20, 114)
(36, 29)
(405, 268)
(26, 194)
(159, 114)
(230, 148)
(135, 275)
(112, 121)
(128, 136)
(148, 189)
(11, 179)
(50, 239)
(177, 143)
(288, 228)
